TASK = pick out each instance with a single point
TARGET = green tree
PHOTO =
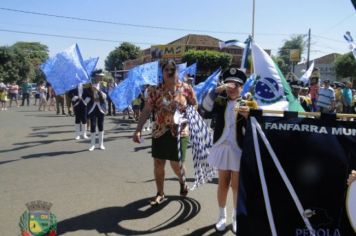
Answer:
(345, 66)
(126, 51)
(208, 61)
(36, 53)
(295, 42)
(21, 61)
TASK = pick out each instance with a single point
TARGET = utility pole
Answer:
(308, 49)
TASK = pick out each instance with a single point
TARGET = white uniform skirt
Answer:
(225, 156)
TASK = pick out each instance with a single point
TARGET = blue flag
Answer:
(191, 70)
(130, 88)
(66, 70)
(206, 85)
(90, 64)
(247, 85)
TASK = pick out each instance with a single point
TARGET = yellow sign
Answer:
(168, 51)
(294, 55)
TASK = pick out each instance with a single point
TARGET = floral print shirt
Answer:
(165, 102)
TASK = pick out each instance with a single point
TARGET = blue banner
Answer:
(206, 85)
(66, 70)
(90, 64)
(130, 88)
(190, 70)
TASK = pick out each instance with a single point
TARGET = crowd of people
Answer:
(159, 104)
(323, 95)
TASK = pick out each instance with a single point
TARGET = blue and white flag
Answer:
(203, 87)
(90, 64)
(352, 44)
(248, 84)
(190, 70)
(305, 77)
(232, 42)
(66, 70)
(272, 91)
(246, 52)
(130, 88)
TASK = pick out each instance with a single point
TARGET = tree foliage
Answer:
(126, 51)
(295, 42)
(21, 61)
(208, 60)
(345, 66)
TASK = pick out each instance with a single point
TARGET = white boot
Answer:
(221, 224)
(101, 140)
(234, 222)
(92, 145)
(84, 131)
(77, 131)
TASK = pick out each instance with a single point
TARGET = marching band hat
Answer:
(234, 75)
(98, 72)
(296, 84)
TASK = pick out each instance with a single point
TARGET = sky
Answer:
(145, 23)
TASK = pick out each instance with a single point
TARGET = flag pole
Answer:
(253, 19)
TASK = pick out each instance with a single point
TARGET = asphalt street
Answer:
(94, 193)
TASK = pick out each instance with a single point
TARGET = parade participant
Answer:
(96, 110)
(164, 100)
(68, 99)
(80, 101)
(13, 92)
(297, 87)
(60, 104)
(226, 152)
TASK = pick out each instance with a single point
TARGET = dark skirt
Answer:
(165, 147)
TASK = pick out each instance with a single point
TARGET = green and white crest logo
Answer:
(38, 220)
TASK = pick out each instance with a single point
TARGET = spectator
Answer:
(3, 97)
(43, 96)
(26, 90)
(347, 98)
(326, 98)
(111, 106)
(13, 93)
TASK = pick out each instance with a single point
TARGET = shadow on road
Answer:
(51, 154)
(108, 220)
(206, 229)
(24, 145)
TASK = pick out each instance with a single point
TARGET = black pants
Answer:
(27, 97)
(96, 116)
(81, 115)
(111, 105)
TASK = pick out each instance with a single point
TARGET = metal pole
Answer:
(253, 20)
(308, 49)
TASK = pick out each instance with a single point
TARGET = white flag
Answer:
(307, 74)
(269, 91)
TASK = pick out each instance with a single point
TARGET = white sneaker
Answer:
(77, 137)
(148, 129)
(221, 225)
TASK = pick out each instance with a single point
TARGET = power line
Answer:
(70, 37)
(119, 23)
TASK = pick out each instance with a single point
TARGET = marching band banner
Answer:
(293, 177)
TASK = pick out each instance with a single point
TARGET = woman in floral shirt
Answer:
(164, 100)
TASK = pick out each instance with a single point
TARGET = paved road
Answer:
(93, 193)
